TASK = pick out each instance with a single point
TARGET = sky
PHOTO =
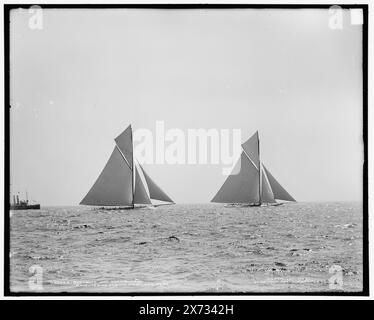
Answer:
(80, 80)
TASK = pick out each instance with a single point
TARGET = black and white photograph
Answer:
(175, 149)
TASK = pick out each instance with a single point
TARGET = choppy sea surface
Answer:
(296, 247)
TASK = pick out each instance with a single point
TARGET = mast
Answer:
(133, 171)
(259, 169)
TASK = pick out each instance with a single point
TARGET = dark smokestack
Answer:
(17, 199)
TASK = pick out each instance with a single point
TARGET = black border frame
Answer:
(8, 7)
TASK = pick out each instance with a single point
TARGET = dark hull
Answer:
(136, 206)
(25, 207)
(117, 208)
(245, 205)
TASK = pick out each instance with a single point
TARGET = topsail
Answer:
(121, 182)
(250, 182)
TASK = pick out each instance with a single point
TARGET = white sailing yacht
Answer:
(123, 181)
(251, 183)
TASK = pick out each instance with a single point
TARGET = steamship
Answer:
(23, 204)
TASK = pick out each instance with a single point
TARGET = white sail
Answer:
(122, 183)
(242, 187)
(114, 185)
(251, 148)
(279, 192)
(140, 193)
(267, 195)
(124, 143)
(254, 183)
(155, 192)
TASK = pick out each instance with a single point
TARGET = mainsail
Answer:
(113, 187)
(253, 183)
(241, 187)
(120, 182)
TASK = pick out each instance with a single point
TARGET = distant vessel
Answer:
(123, 181)
(23, 204)
(251, 183)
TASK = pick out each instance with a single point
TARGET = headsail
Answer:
(155, 192)
(278, 191)
(242, 187)
(140, 193)
(114, 185)
(124, 143)
(251, 148)
(267, 195)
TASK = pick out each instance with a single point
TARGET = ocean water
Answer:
(296, 247)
